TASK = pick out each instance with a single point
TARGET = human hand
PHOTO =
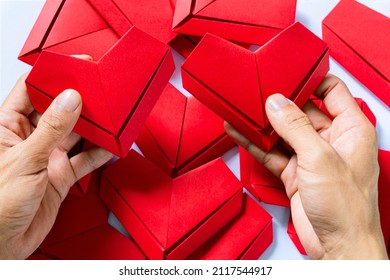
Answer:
(332, 176)
(35, 171)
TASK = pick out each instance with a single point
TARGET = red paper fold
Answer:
(250, 21)
(358, 39)
(235, 82)
(170, 218)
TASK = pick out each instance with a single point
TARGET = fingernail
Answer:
(68, 101)
(277, 101)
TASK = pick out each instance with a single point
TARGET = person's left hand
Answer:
(35, 171)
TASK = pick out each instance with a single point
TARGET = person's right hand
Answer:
(332, 176)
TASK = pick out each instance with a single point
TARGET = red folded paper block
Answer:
(260, 182)
(250, 21)
(78, 214)
(101, 243)
(170, 218)
(246, 237)
(81, 186)
(38, 257)
(384, 195)
(69, 26)
(119, 88)
(358, 39)
(235, 82)
(181, 134)
(294, 237)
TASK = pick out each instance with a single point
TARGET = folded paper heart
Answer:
(264, 185)
(235, 82)
(250, 21)
(101, 243)
(170, 218)
(181, 133)
(368, 60)
(118, 90)
(246, 237)
(69, 26)
(78, 214)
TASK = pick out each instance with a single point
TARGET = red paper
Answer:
(78, 215)
(181, 134)
(384, 195)
(294, 237)
(68, 26)
(119, 88)
(170, 218)
(250, 21)
(358, 39)
(235, 82)
(246, 237)
(260, 182)
(101, 243)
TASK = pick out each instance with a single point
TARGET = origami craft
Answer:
(181, 134)
(101, 243)
(346, 30)
(170, 218)
(250, 21)
(68, 26)
(81, 186)
(235, 82)
(294, 237)
(78, 214)
(260, 182)
(384, 195)
(246, 237)
(119, 88)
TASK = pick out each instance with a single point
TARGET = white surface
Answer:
(17, 18)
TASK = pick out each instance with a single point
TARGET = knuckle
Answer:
(296, 120)
(53, 124)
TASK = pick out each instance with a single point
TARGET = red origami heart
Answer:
(181, 133)
(250, 21)
(235, 82)
(170, 218)
(69, 26)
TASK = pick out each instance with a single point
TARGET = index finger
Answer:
(18, 99)
(336, 96)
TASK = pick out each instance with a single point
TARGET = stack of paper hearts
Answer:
(181, 134)
(235, 82)
(170, 218)
(345, 28)
(249, 21)
(119, 88)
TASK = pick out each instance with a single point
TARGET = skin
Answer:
(330, 172)
(35, 171)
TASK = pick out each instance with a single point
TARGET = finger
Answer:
(87, 161)
(15, 122)
(274, 160)
(69, 142)
(34, 118)
(55, 125)
(292, 125)
(319, 119)
(18, 99)
(336, 96)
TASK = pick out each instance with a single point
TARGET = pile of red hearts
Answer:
(179, 200)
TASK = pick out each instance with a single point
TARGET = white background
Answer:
(17, 18)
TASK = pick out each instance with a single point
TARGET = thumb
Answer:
(292, 124)
(55, 124)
